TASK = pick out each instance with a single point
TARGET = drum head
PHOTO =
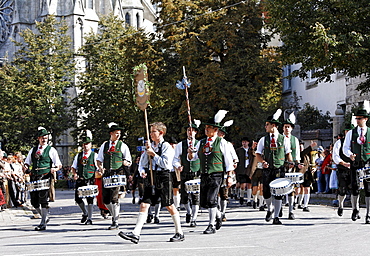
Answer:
(280, 183)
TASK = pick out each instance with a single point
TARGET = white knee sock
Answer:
(44, 215)
(176, 201)
(300, 199)
(176, 221)
(89, 211)
(277, 205)
(83, 208)
(157, 209)
(354, 201)
(188, 208)
(306, 199)
(269, 203)
(261, 200)
(195, 209)
(290, 201)
(212, 215)
(223, 206)
(242, 192)
(341, 200)
(249, 194)
(141, 219)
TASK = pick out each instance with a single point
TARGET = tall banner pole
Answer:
(142, 101)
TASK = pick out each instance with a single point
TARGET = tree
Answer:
(224, 49)
(34, 84)
(326, 35)
(311, 118)
(107, 93)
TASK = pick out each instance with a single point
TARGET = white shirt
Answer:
(159, 162)
(347, 141)
(297, 148)
(75, 160)
(53, 154)
(225, 150)
(336, 151)
(178, 152)
(124, 149)
(261, 144)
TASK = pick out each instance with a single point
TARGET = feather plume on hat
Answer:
(88, 133)
(292, 118)
(228, 123)
(111, 124)
(353, 121)
(367, 106)
(41, 128)
(220, 115)
(277, 114)
(197, 122)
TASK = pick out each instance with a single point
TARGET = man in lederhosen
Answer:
(215, 157)
(113, 159)
(188, 171)
(357, 148)
(83, 168)
(344, 171)
(275, 150)
(161, 154)
(44, 160)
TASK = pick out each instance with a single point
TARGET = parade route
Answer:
(318, 232)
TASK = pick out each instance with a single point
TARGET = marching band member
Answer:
(357, 148)
(83, 168)
(188, 170)
(272, 150)
(344, 171)
(113, 159)
(214, 155)
(44, 160)
(161, 153)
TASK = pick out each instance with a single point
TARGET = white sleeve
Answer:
(225, 150)
(178, 151)
(101, 153)
(336, 148)
(74, 164)
(260, 146)
(233, 153)
(53, 154)
(297, 150)
(347, 144)
(126, 152)
(29, 159)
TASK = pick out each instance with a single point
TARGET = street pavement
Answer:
(318, 232)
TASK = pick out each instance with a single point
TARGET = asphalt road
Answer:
(318, 232)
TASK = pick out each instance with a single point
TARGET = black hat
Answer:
(274, 119)
(114, 127)
(361, 112)
(86, 137)
(194, 125)
(41, 131)
(291, 120)
(216, 120)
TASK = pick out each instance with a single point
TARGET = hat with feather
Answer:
(114, 127)
(194, 125)
(291, 120)
(226, 124)
(364, 111)
(86, 137)
(274, 119)
(217, 119)
(41, 131)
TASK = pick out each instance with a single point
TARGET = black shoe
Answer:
(254, 205)
(300, 206)
(193, 224)
(281, 212)
(241, 200)
(287, 204)
(187, 218)
(249, 204)
(262, 209)
(269, 215)
(177, 238)
(291, 216)
(88, 222)
(149, 218)
(218, 223)
(114, 226)
(276, 221)
(340, 212)
(223, 217)
(355, 215)
(40, 227)
(210, 230)
(130, 236)
(306, 209)
(84, 218)
(156, 220)
(293, 207)
(367, 219)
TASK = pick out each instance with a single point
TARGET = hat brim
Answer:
(214, 125)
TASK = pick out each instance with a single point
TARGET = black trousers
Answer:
(209, 188)
(344, 180)
(163, 189)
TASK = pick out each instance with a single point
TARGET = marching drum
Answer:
(295, 177)
(193, 186)
(233, 178)
(363, 174)
(88, 191)
(281, 186)
(38, 185)
(114, 181)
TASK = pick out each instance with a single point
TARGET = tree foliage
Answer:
(33, 84)
(311, 118)
(326, 35)
(106, 91)
(225, 51)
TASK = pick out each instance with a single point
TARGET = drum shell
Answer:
(88, 191)
(192, 186)
(281, 187)
(38, 185)
(295, 177)
(114, 181)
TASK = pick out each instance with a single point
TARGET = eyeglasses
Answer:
(359, 118)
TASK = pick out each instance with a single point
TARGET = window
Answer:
(128, 19)
(287, 82)
(137, 20)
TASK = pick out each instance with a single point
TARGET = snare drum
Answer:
(38, 185)
(295, 177)
(193, 186)
(114, 181)
(233, 180)
(363, 174)
(88, 191)
(281, 186)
